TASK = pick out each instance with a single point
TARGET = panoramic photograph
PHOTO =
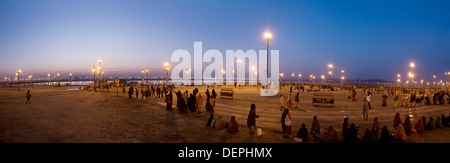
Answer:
(213, 71)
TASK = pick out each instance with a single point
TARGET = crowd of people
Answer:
(373, 134)
(192, 102)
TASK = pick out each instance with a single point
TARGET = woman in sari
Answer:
(286, 122)
(419, 126)
(376, 127)
(330, 135)
(384, 101)
(251, 119)
(384, 136)
(408, 126)
(399, 134)
(315, 127)
(233, 126)
(397, 120)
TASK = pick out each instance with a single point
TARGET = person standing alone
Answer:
(28, 97)
(368, 99)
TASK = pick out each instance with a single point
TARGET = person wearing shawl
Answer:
(397, 120)
(353, 132)
(399, 133)
(438, 123)
(408, 126)
(384, 104)
(444, 121)
(396, 102)
(431, 125)
(384, 136)
(376, 127)
(303, 133)
(289, 101)
(251, 119)
(345, 129)
(233, 126)
(286, 122)
(199, 102)
(353, 95)
(424, 122)
(315, 127)
(297, 100)
(220, 124)
(191, 103)
(419, 126)
(169, 103)
(330, 135)
(365, 110)
(368, 136)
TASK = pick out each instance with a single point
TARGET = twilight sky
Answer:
(368, 39)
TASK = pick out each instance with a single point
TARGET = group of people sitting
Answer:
(375, 133)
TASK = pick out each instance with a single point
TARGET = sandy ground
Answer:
(60, 115)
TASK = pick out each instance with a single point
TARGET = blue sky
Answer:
(368, 39)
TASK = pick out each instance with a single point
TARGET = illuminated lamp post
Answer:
(166, 68)
(268, 36)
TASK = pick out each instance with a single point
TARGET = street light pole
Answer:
(49, 78)
(95, 82)
(18, 79)
(268, 36)
(434, 81)
(166, 68)
(412, 65)
(329, 72)
(146, 74)
(32, 78)
(70, 78)
(59, 79)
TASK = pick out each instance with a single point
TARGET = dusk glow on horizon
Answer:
(369, 40)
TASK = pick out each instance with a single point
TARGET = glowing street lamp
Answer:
(281, 75)
(166, 68)
(49, 78)
(310, 78)
(142, 75)
(299, 77)
(268, 36)
(95, 82)
(31, 77)
(70, 78)
(330, 66)
(323, 78)
(18, 79)
(146, 73)
(411, 75)
(434, 80)
(412, 65)
(59, 79)
(222, 72)
(293, 74)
